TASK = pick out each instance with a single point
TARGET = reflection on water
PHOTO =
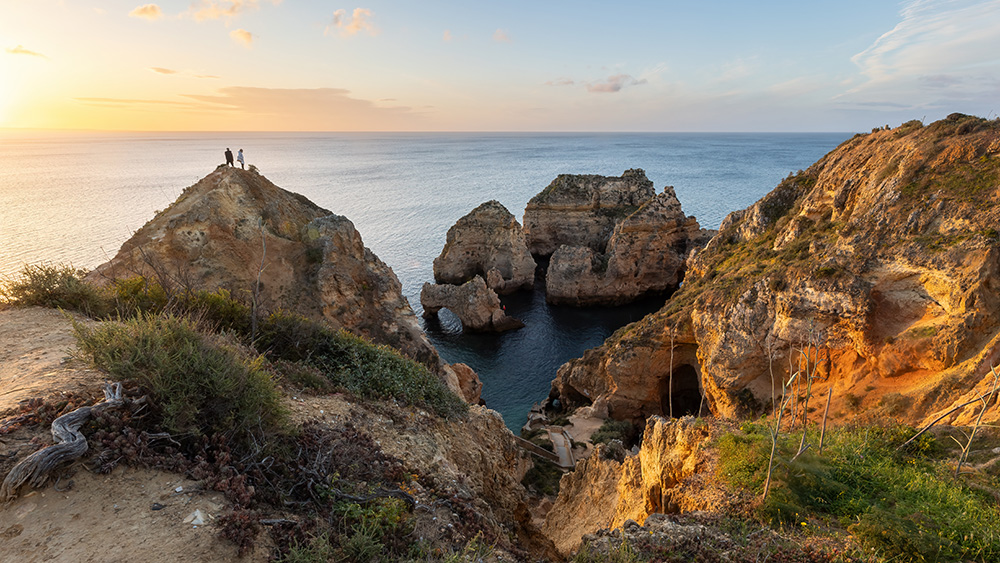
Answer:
(511, 364)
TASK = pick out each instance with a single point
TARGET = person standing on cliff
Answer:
(229, 156)
(239, 157)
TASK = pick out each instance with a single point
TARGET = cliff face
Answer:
(582, 210)
(477, 306)
(645, 254)
(876, 268)
(488, 238)
(234, 227)
(609, 488)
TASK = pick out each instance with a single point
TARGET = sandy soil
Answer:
(90, 518)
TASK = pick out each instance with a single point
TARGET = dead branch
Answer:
(70, 444)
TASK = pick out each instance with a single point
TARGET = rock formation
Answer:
(610, 487)
(477, 306)
(487, 242)
(582, 210)
(236, 230)
(645, 254)
(876, 268)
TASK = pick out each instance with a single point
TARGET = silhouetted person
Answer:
(229, 156)
(239, 157)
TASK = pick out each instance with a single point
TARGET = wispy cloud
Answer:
(124, 102)
(20, 50)
(183, 73)
(956, 39)
(161, 70)
(217, 9)
(359, 21)
(501, 36)
(561, 82)
(447, 35)
(315, 109)
(147, 11)
(242, 36)
(613, 84)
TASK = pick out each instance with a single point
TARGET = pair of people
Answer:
(239, 157)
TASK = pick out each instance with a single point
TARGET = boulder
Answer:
(477, 306)
(237, 231)
(583, 209)
(488, 242)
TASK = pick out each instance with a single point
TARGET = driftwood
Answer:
(70, 444)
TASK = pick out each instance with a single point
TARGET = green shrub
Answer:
(616, 430)
(357, 365)
(59, 287)
(201, 384)
(902, 507)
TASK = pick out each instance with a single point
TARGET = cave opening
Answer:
(686, 395)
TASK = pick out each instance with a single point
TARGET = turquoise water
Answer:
(76, 197)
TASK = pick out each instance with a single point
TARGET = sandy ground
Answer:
(129, 514)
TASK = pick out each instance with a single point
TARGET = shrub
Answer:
(59, 287)
(357, 365)
(201, 384)
(621, 430)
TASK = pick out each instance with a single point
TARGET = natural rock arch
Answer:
(686, 395)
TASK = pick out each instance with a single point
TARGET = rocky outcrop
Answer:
(875, 268)
(582, 210)
(490, 243)
(477, 306)
(644, 255)
(236, 230)
(610, 487)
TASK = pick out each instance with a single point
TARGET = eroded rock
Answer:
(488, 242)
(477, 306)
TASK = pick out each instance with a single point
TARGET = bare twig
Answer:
(979, 419)
(826, 412)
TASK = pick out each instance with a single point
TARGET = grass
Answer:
(621, 430)
(899, 506)
(201, 384)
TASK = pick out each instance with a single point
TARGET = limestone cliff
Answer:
(609, 488)
(877, 267)
(487, 240)
(477, 306)
(582, 210)
(645, 254)
(236, 230)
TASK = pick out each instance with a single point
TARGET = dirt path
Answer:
(129, 514)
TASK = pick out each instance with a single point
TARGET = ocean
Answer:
(75, 197)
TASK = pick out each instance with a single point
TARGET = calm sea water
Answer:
(74, 198)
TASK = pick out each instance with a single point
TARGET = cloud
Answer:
(956, 39)
(205, 76)
(217, 9)
(242, 37)
(613, 84)
(447, 35)
(161, 70)
(310, 109)
(20, 50)
(147, 11)
(561, 82)
(358, 22)
(500, 36)
(124, 102)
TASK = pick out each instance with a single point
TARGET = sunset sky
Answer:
(467, 65)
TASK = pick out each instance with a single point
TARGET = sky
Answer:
(473, 65)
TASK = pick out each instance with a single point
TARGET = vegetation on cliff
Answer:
(204, 379)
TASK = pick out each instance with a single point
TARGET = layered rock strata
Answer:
(477, 306)
(490, 243)
(610, 487)
(583, 209)
(236, 230)
(875, 270)
(645, 254)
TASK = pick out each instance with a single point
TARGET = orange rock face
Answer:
(875, 270)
